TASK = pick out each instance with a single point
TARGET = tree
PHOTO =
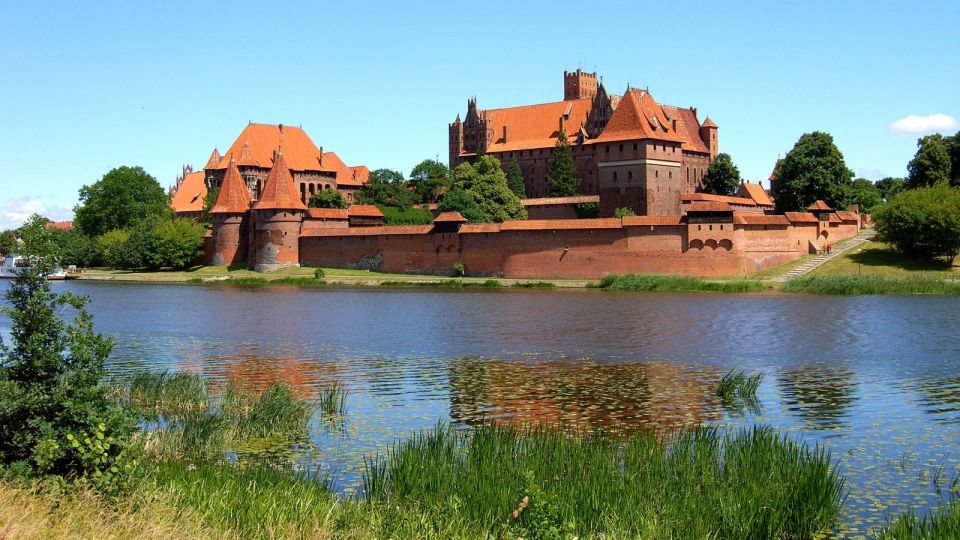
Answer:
(75, 248)
(515, 179)
(953, 148)
(208, 202)
(486, 182)
(931, 163)
(889, 186)
(430, 179)
(865, 194)
(814, 169)
(460, 200)
(174, 243)
(722, 176)
(50, 378)
(110, 247)
(386, 188)
(8, 242)
(922, 222)
(124, 197)
(623, 212)
(327, 198)
(562, 178)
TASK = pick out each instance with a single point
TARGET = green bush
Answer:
(623, 212)
(173, 243)
(459, 269)
(327, 198)
(587, 210)
(110, 247)
(923, 222)
(319, 273)
(406, 216)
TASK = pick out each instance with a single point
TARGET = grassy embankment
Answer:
(488, 481)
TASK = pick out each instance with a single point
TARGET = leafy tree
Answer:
(8, 242)
(515, 179)
(124, 197)
(75, 247)
(865, 194)
(461, 200)
(953, 148)
(208, 202)
(562, 178)
(51, 373)
(386, 188)
(110, 247)
(922, 222)
(888, 187)
(623, 212)
(931, 163)
(722, 176)
(327, 198)
(487, 184)
(409, 216)
(813, 169)
(174, 243)
(430, 179)
(587, 210)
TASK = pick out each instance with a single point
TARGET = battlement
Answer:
(579, 85)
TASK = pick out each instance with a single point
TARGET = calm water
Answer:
(873, 378)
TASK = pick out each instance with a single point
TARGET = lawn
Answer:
(877, 258)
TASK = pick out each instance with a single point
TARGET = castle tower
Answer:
(229, 216)
(277, 217)
(708, 132)
(456, 141)
(579, 85)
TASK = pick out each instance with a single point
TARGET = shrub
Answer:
(327, 198)
(406, 216)
(587, 210)
(110, 246)
(623, 212)
(319, 273)
(173, 243)
(923, 222)
(459, 269)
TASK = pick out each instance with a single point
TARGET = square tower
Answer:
(579, 85)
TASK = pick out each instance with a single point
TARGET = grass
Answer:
(544, 483)
(260, 281)
(882, 259)
(534, 285)
(944, 523)
(738, 392)
(332, 399)
(657, 283)
(871, 284)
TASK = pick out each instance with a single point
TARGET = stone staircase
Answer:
(838, 249)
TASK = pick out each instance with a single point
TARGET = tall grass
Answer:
(175, 396)
(534, 285)
(655, 283)
(540, 482)
(871, 284)
(944, 523)
(332, 399)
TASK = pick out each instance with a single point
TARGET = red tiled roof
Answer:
(279, 192)
(708, 123)
(246, 158)
(688, 128)
(475, 228)
(709, 197)
(819, 205)
(834, 218)
(359, 176)
(757, 193)
(327, 213)
(846, 215)
(535, 126)
(705, 206)
(449, 217)
(801, 217)
(773, 173)
(558, 224)
(364, 210)
(263, 139)
(638, 116)
(749, 218)
(636, 221)
(234, 197)
(190, 194)
(214, 160)
(59, 225)
(546, 201)
(370, 231)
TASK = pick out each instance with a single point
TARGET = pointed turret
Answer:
(708, 132)
(234, 197)
(279, 193)
(245, 159)
(214, 160)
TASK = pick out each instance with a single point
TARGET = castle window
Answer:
(634, 146)
(614, 177)
(621, 147)
(656, 174)
(629, 175)
(670, 174)
(606, 148)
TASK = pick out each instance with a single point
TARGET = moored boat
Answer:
(13, 263)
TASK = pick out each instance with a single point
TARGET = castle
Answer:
(630, 150)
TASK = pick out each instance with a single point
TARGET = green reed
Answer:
(657, 283)
(172, 395)
(738, 392)
(535, 482)
(534, 285)
(943, 523)
(871, 284)
(332, 399)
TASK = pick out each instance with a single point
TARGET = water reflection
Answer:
(939, 397)
(819, 395)
(582, 394)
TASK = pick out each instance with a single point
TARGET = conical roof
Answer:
(708, 123)
(279, 193)
(234, 197)
(246, 158)
(214, 160)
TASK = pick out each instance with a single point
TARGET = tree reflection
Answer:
(819, 395)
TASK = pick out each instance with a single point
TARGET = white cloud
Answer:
(923, 125)
(870, 174)
(16, 211)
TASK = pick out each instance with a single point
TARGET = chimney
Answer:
(504, 133)
(561, 125)
(674, 124)
(281, 128)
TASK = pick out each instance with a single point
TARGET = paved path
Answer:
(838, 249)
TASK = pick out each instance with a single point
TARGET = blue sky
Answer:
(90, 86)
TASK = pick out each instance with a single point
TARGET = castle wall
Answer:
(229, 241)
(275, 238)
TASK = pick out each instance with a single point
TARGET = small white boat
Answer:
(13, 263)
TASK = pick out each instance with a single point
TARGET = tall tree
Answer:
(813, 169)
(889, 187)
(461, 200)
(430, 179)
(953, 148)
(327, 198)
(515, 179)
(8, 242)
(562, 178)
(923, 222)
(931, 163)
(124, 197)
(723, 177)
(865, 194)
(486, 183)
(386, 188)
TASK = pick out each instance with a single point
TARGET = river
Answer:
(874, 378)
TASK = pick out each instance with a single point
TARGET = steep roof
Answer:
(708, 123)
(234, 197)
(214, 160)
(300, 152)
(246, 158)
(688, 128)
(535, 126)
(638, 116)
(801, 217)
(279, 192)
(449, 217)
(59, 225)
(707, 206)
(190, 194)
(364, 210)
(846, 215)
(709, 197)
(819, 205)
(757, 193)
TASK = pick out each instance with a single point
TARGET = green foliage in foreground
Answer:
(738, 392)
(943, 524)
(870, 284)
(923, 223)
(407, 216)
(654, 283)
(541, 483)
